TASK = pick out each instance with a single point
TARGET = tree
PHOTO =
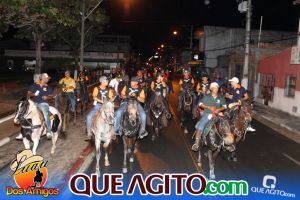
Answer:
(36, 19)
(93, 26)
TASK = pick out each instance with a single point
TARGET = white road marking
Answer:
(9, 117)
(292, 159)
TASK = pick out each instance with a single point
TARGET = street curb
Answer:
(9, 117)
(6, 140)
(257, 117)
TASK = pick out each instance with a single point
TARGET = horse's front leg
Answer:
(54, 140)
(211, 165)
(35, 138)
(125, 155)
(131, 151)
(26, 143)
(98, 154)
(106, 161)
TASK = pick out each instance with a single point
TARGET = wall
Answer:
(279, 65)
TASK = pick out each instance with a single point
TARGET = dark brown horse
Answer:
(240, 116)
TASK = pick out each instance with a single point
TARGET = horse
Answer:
(82, 97)
(33, 125)
(63, 106)
(156, 118)
(217, 136)
(102, 128)
(240, 117)
(130, 125)
(187, 107)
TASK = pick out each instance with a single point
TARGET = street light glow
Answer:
(175, 32)
(162, 46)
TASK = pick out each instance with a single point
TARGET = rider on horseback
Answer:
(100, 94)
(68, 88)
(202, 89)
(185, 83)
(159, 86)
(235, 94)
(41, 93)
(212, 103)
(132, 91)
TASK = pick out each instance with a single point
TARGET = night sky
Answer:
(151, 22)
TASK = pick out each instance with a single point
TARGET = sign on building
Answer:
(295, 55)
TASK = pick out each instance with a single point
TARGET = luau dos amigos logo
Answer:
(30, 175)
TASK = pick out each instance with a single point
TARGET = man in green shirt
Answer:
(212, 103)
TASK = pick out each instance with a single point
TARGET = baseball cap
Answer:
(134, 79)
(102, 78)
(234, 79)
(44, 76)
(214, 84)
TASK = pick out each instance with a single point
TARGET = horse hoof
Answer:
(186, 131)
(181, 125)
(124, 170)
(234, 159)
(131, 159)
(106, 164)
(212, 177)
(98, 172)
(199, 164)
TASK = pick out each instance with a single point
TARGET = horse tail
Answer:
(56, 122)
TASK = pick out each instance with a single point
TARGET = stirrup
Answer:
(195, 147)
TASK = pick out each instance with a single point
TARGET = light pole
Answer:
(83, 18)
(245, 80)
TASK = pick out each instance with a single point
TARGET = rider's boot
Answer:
(195, 146)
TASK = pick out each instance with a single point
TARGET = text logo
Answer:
(269, 181)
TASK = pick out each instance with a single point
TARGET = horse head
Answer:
(226, 131)
(188, 99)
(107, 112)
(156, 106)
(246, 109)
(22, 109)
(132, 110)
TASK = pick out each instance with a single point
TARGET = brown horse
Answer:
(240, 116)
(63, 106)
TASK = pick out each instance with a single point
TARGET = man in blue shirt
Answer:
(41, 93)
(236, 93)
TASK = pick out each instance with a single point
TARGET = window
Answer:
(290, 87)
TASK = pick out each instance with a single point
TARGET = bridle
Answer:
(22, 116)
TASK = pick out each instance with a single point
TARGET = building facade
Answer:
(278, 81)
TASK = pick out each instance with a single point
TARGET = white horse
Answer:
(102, 128)
(33, 124)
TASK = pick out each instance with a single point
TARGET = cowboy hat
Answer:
(24, 157)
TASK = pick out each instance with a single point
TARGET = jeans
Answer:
(90, 116)
(71, 97)
(44, 107)
(203, 121)
(121, 110)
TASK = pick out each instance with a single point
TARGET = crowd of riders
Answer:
(211, 95)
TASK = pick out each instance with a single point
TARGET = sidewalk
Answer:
(280, 121)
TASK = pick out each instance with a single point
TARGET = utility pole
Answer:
(82, 34)
(83, 18)
(247, 44)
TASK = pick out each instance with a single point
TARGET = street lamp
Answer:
(175, 32)
(162, 46)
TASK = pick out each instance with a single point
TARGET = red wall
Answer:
(279, 64)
